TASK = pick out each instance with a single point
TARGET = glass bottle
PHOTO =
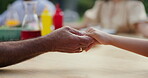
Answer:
(30, 25)
(12, 18)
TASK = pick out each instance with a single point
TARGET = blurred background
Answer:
(80, 5)
(111, 16)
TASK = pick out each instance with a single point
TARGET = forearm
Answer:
(139, 46)
(142, 28)
(15, 52)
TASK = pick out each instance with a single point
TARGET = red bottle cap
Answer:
(58, 9)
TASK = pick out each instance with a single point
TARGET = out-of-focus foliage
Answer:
(83, 5)
(146, 5)
(4, 4)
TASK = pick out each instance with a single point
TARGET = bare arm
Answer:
(139, 46)
(15, 52)
(65, 40)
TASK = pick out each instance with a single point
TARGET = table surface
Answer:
(99, 62)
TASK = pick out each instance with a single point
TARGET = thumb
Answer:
(90, 34)
(76, 32)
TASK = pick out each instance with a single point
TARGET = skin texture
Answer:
(142, 28)
(139, 46)
(66, 40)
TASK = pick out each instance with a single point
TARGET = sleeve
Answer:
(137, 12)
(3, 18)
(51, 7)
(4, 14)
(42, 4)
(92, 14)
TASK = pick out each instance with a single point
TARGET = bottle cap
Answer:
(58, 7)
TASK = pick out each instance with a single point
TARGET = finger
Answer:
(81, 48)
(91, 45)
(85, 40)
(91, 34)
(70, 51)
(84, 48)
(90, 30)
(75, 51)
(79, 51)
(76, 32)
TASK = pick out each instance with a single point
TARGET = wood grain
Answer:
(99, 62)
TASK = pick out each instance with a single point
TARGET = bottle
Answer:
(12, 18)
(30, 25)
(58, 17)
(46, 20)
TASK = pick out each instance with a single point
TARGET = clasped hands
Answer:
(70, 40)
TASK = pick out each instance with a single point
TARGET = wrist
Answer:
(44, 44)
(111, 39)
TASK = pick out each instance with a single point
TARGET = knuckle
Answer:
(95, 32)
(67, 28)
(91, 28)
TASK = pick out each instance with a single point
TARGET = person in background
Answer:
(143, 28)
(19, 8)
(139, 46)
(120, 15)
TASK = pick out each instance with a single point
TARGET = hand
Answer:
(69, 40)
(101, 37)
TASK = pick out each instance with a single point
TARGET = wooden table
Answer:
(99, 62)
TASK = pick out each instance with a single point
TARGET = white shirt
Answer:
(123, 15)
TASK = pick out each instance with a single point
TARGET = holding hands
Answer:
(66, 40)
(139, 46)
(69, 40)
(99, 36)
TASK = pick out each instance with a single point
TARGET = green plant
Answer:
(4, 4)
(146, 5)
(83, 5)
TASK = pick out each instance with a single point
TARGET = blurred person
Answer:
(143, 28)
(66, 40)
(139, 46)
(120, 15)
(18, 6)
